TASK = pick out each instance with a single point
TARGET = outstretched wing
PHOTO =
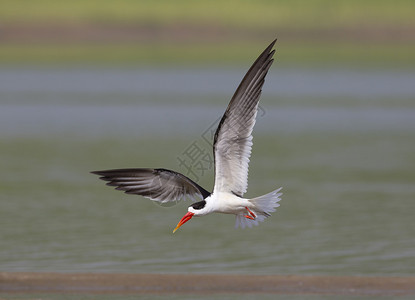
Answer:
(233, 138)
(156, 184)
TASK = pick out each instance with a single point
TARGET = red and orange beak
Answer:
(185, 218)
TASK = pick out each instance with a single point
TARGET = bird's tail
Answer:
(264, 206)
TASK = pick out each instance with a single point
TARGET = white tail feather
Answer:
(264, 206)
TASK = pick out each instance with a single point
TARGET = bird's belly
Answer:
(230, 204)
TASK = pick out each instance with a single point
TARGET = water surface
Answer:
(341, 143)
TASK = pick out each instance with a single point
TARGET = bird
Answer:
(232, 144)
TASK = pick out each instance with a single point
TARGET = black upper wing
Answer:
(156, 184)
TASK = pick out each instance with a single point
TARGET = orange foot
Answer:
(251, 215)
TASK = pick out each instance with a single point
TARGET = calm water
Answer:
(341, 143)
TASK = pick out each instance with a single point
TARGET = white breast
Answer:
(227, 203)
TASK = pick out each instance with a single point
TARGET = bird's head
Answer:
(196, 209)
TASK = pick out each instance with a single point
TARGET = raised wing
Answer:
(156, 184)
(233, 138)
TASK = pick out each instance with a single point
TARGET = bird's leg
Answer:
(251, 215)
(250, 212)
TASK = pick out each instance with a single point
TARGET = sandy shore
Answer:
(202, 284)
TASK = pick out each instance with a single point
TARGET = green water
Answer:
(347, 209)
(347, 169)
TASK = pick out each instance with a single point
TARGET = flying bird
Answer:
(231, 148)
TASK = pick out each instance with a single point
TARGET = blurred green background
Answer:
(366, 32)
(90, 85)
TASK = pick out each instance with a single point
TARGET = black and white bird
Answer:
(231, 147)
